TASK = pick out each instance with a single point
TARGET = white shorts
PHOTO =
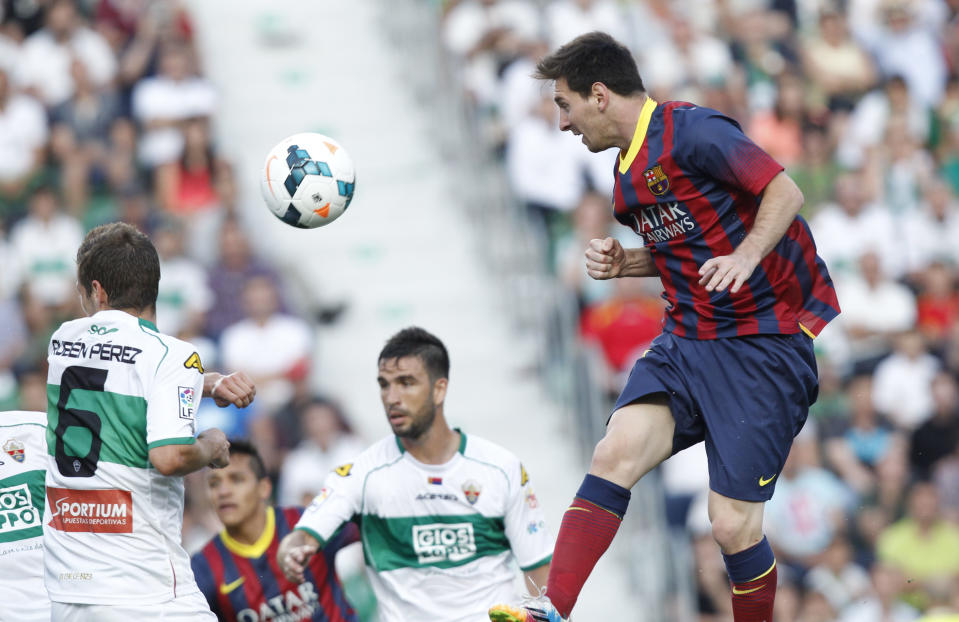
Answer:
(185, 608)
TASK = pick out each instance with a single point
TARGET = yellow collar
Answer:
(638, 136)
(258, 548)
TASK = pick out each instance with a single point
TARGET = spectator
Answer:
(931, 233)
(543, 165)
(23, 136)
(778, 130)
(484, 36)
(81, 130)
(567, 19)
(938, 302)
(228, 276)
(688, 61)
(845, 229)
(271, 347)
(809, 506)
(883, 602)
(874, 309)
(816, 171)
(837, 577)
(328, 442)
(46, 241)
(908, 47)
(923, 545)
(902, 381)
(623, 326)
(868, 121)
(855, 449)
(938, 436)
(44, 66)
(184, 297)
(592, 219)
(903, 166)
(163, 101)
(836, 65)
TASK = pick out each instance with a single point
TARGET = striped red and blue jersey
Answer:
(244, 582)
(690, 186)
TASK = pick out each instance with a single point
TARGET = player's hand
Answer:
(605, 258)
(294, 553)
(219, 447)
(236, 388)
(732, 270)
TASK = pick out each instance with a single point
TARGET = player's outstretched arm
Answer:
(782, 200)
(210, 449)
(236, 388)
(536, 578)
(607, 259)
(294, 553)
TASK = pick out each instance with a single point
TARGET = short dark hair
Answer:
(589, 58)
(243, 447)
(125, 263)
(414, 341)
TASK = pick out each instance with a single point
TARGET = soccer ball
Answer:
(308, 180)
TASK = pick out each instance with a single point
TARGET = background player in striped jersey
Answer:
(442, 516)
(746, 293)
(121, 431)
(237, 570)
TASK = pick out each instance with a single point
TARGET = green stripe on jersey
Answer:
(21, 506)
(123, 426)
(390, 543)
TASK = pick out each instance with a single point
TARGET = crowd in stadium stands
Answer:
(859, 100)
(105, 114)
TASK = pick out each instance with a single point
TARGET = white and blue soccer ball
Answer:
(308, 180)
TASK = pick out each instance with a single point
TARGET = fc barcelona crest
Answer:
(16, 449)
(656, 180)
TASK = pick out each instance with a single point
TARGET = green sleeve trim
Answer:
(541, 562)
(312, 533)
(182, 440)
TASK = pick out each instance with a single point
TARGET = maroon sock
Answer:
(753, 600)
(584, 535)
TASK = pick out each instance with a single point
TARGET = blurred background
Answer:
(470, 218)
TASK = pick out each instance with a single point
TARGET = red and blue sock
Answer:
(753, 575)
(588, 528)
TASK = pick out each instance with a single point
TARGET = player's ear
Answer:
(99, 295)
(600, 93)
(439, 390)
(264, 488)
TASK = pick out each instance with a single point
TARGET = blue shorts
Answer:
(747, 397)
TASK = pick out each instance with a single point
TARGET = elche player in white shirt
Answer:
(121, 433)
(444, 517)
(23, 465)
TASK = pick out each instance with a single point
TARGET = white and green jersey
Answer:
(23, 463)
(116, 389)
(438, 539)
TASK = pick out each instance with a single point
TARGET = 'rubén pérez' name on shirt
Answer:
(662, 222)
(107, 351)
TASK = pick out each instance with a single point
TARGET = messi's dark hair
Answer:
(243, 447)
(414, 341)
(125, 263)
(589, 58)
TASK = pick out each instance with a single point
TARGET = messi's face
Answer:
(410, 398)
(579, 115)
(235, 492)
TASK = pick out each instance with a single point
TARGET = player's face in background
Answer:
(578, 114)
(410, 398)
(235, 492)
